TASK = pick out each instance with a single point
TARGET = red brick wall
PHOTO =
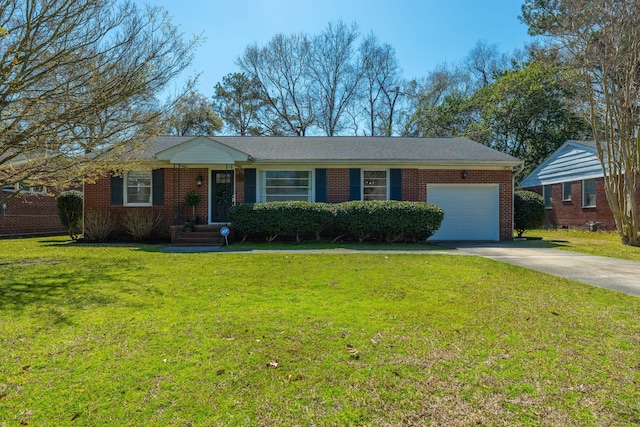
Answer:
(239, 180)
(337, 185)
(572, 214)
(176, 183)
(414, 188)
(29, 214)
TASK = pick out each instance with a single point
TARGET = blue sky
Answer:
(424, 33)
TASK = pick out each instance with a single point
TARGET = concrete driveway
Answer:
(610, 273)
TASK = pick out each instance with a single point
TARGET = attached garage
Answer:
(471, 211)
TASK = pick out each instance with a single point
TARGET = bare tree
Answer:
(334, 73)
(281, 67)
(193, 115)
(381, 86)
(485, 63)
(600, 39)
(238, 101)
(440, 103)
(79, 77)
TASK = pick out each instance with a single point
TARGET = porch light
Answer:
(464, 174)
(199, 180)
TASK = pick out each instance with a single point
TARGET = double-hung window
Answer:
(137, 189)
(283, 185)
(546, 195)
(566, 191)
(374, 185)
(589, 193)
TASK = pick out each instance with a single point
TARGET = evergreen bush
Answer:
(389, 220)
(69, 205)
(529, 211)
(365, 220)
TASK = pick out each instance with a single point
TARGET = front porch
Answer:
(202, 235)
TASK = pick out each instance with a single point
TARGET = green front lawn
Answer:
(602, 243)
(108, 335)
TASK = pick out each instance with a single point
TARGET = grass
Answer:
(126, 335)
(338, 246)
(602, 243)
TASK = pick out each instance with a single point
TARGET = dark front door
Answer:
(221, 195)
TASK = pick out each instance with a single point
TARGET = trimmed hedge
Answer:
(389, 220)
(365, 220)
(528, 211)
(274, 219)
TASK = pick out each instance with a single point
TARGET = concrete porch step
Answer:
(201, 242)
(208, 234)
(202, 235)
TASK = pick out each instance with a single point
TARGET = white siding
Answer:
(572, 162)
(202, 154)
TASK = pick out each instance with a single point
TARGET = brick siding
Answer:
(571, 214)
(29, 214)
(177, 181)
(414, 188)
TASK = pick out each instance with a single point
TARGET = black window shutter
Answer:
(157, 180)
(117, 191)
(396, 184)
(354, 184)
(321, 185)
(249, 185)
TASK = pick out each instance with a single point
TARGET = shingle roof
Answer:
(341, 149)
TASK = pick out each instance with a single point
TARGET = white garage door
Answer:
(471, 211)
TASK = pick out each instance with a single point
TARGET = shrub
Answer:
(300, 217)
(241, 216)
(69, 205)
(140, 223)
(311, 218)
(274, 219)
(389, 220)
(98, 225)
(529, 211)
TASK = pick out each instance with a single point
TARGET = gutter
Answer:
(518, 171)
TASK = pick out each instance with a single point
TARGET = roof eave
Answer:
(414, 162)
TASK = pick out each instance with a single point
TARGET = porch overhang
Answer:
(202, 150)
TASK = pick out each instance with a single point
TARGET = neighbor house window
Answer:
(285, 185)
(26, 188)
(374, 185)
(137, 191)
(546, 195)
(566, 191)
(589, 193)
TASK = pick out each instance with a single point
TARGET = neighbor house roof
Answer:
(573, 161)
(442, 151)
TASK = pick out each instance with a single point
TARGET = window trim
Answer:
(584, 198)
(125, 190)
(545, 189)
(564, 193)
(387, 179)
(25, 189)
(261, 195)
